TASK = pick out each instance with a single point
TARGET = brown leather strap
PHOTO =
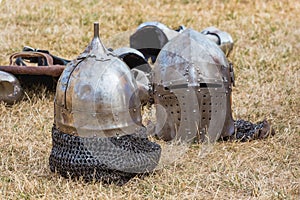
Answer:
(30, 55)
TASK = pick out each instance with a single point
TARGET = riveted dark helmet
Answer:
(192, 89)
(10, 88)
(97, 129)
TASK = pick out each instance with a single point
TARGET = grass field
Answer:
(267, 66)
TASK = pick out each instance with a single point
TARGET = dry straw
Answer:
(267, 65)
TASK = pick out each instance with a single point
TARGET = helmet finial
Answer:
(96, 29)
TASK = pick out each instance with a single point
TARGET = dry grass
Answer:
(267, 64)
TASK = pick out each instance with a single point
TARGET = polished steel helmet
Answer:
(97, 95)
(98, 132)
(192, 83)
(10, 88)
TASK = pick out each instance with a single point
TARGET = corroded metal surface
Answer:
(10, 88)
(192, 83)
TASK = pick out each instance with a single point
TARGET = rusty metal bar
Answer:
(53, 70)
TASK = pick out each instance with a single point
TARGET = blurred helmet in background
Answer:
(150, 37)
(10, 88)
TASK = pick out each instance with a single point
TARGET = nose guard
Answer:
(192, 83)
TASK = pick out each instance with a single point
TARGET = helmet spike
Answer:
(96, 29)
(98, 113)
(96, 47)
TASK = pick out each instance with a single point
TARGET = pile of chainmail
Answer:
(246, 131)
(118, 159)
(110, 160)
